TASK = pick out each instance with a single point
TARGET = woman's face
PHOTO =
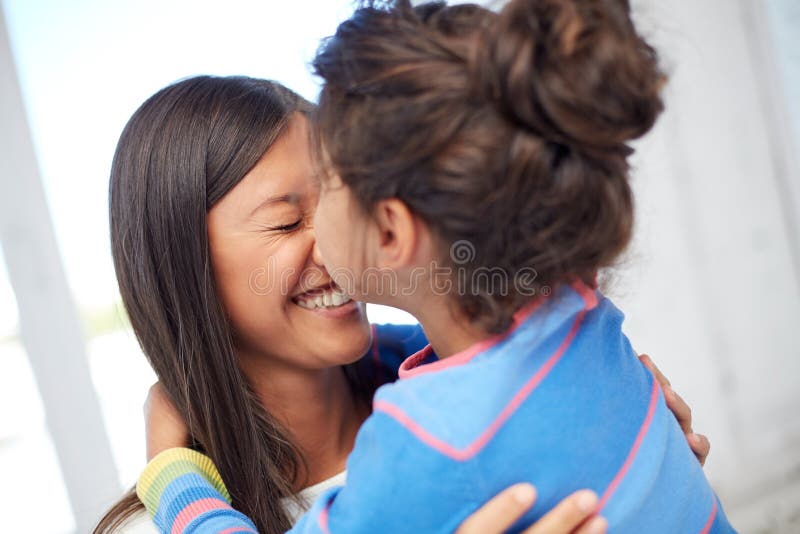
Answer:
(270, 277)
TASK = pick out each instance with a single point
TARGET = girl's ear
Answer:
(400, 234)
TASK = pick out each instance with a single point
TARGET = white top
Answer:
(141, 523)
(310, 494)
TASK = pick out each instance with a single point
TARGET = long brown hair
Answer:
(507, 130)
(181, 151)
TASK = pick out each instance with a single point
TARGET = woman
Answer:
(212, 196)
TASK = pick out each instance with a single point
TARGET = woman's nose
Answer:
(316, 255)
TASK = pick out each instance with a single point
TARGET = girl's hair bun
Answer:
(574, 72)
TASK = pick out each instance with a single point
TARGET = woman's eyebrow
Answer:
(291, 198)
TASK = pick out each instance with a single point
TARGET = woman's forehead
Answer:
(267, 189)
(283, 175)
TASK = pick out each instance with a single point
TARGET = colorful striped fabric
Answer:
(182, 490)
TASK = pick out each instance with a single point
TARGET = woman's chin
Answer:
(341, 334)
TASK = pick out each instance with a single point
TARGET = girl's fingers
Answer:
(568, 516)
(497, 515)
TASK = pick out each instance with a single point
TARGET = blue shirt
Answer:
(561, 401)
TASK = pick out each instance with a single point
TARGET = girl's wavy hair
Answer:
(509, 130)
(181, 151)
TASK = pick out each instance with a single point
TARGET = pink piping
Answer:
(194, 509)
(634, 449)
(323, 518)
(411, 366)
(475, 447)
(588, 294)
(711, 517)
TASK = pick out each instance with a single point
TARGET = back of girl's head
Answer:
(507, 129)
(181, 151)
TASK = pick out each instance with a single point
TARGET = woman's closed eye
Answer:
(283, 227)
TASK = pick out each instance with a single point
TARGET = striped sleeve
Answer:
(184, 493)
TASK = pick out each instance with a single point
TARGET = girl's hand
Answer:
(575, 514)
(697, 442)
(164, 426)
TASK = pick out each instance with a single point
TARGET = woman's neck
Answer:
(319, 410)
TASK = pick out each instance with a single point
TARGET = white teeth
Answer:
(330, 298)
(305, 304)
(338, 299)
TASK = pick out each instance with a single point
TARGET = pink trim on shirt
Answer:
(473, 448)
(194, 509)
(710, 522)
(411, 366)
(232, 530)
(612, 487)
(323, 518)
(588, 294)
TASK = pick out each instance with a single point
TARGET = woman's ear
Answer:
(400, 233)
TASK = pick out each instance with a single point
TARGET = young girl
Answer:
(478, 179)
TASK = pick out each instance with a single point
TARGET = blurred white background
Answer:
(711, 286)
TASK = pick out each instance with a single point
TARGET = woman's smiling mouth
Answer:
(329, 300)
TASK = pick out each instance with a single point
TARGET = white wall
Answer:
(711, 284)
(49, 325)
